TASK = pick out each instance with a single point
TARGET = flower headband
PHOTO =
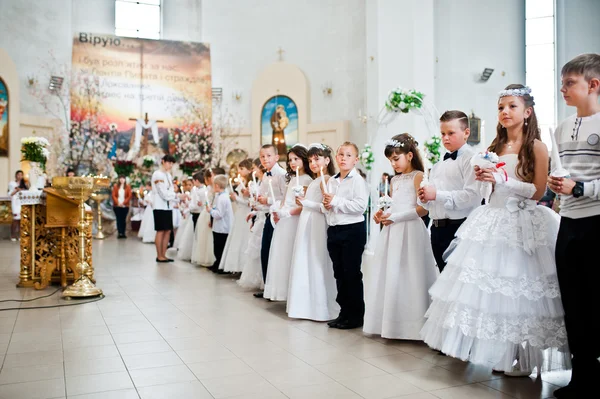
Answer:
(317, 145)
(515, 92)
(393, 143)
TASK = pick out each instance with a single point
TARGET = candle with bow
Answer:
(323, 182)
(206, 196)
(557, 168)
(297, 178)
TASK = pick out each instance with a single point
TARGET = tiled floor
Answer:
(179, 331)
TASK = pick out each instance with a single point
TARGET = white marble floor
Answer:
(179, 331)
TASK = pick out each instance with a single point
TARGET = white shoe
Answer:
(517, 372)
(13, 239)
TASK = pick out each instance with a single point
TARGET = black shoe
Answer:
(335, 321)
(221, 271)
(349, 324)
(121, 236)
(258, 295)
(162, 260)
(568, 392)
(170, 260)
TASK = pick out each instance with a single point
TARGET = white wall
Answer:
(324, 38)
(471, 35)
(577, 31)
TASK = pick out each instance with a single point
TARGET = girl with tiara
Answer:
(312, 288)
(252, 277)
(237, 240)
(146, 231)
(403, 268)
(202, 253)
(497, 301)
(285, 217)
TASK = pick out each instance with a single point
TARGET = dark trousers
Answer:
(346, 244)
(219, 240)
(441, 237)
(265, 246)
(195, 217)
(578, 279)
(121, 215)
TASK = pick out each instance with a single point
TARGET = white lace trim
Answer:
(532, 289)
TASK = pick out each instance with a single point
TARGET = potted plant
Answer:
(35, 150)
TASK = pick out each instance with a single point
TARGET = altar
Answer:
(50, 239)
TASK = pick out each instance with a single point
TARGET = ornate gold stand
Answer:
(80, 189)
(99, 197)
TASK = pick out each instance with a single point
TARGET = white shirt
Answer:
(456, 189)
(222, 213)
(121, 195)
(162, 187)
(350, 201)
(277, 180)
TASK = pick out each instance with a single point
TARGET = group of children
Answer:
(511, 282)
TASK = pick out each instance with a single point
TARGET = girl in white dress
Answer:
(312, 288)
(14, 187)
(252, 277)
(497, 302)
(184, 240)
(403, 268)
(233, 259)
(203, 251)
(286, 215)
(146, 231)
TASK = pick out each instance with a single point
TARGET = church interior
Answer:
(108, 88)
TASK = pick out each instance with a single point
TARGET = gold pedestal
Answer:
(80, 189)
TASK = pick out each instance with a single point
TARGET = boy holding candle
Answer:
(221, 213)
(578, 140)
(451, 193)
(269, 196)
(345, 199)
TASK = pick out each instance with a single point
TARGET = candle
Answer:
(254, 177)
(323, 181)
(297, 177)
(385, 191)
(230, 185)
(557, 168)
(206, 196)
(271, 190)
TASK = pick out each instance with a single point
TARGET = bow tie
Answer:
(269, 173)
(452, 155)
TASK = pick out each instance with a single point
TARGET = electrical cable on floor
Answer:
(32, 299)
(48, 306)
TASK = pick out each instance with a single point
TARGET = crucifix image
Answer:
(280, 52)
(138, 145)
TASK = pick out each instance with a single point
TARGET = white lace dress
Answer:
(237, 240)
(280, 254)
(252, 277)
(146, 231)
(498, 299)
(401, 272)
(312, 289)
(203, 253)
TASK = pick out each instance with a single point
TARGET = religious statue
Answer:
(279, 121)
(3, 120)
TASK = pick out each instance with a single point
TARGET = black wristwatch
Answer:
(578, 189)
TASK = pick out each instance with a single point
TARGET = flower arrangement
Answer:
(190, 167)
(148, 161)
(487, 159)
(384, 202)
(366, 157)
(193, 146)
(35, 149)
(403, 100)
(432, 149)
(123, 167)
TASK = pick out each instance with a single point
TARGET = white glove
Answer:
(274, 208)
(283, 213)
(523, 189)
(410, 214)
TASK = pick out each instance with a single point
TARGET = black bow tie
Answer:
(452, 155)
(269, 174)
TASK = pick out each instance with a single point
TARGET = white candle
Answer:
(385, 191)
(557, 168)
(271, 190)
(254, 177)
(297, 178)
(323, 181)
(230, 185)
(206, 196)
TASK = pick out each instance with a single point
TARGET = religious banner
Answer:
(136, 93)
(3, 119)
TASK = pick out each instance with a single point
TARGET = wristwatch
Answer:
(578, 189)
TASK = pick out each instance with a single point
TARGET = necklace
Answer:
(511, 144)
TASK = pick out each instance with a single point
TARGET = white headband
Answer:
(393, 143)
(300, 145)
(317, 145)
(515, 92)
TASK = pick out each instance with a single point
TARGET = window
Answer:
(138, 18)
(540, 62)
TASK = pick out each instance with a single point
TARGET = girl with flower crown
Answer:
(497, 302)
(403, 268)
(286, 215)
(312, 286)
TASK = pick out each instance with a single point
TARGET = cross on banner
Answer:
(139, 141)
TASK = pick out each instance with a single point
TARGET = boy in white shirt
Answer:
(345, 203)
(222, 217)
(452, 191)
(578, 140)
